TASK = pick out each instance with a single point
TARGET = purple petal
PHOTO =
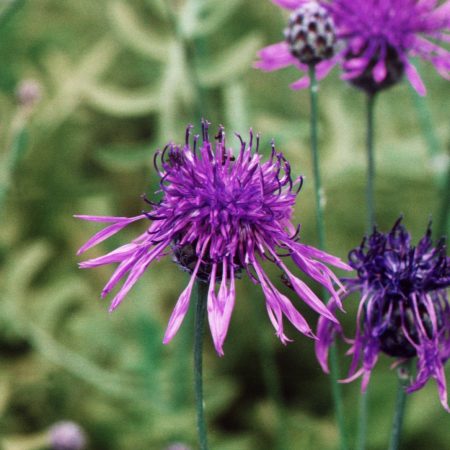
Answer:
(302, 83)
(180, 310)
(108, 231)
(135, 273)
(414, 78)
(289, 4)
(274, 57)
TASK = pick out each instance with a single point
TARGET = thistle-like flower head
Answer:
(403, 312)
(376, 39)
(381, 36)
(220, 215)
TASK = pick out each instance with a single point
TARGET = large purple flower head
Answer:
(220, 214)
(376, 39)
(403, 311)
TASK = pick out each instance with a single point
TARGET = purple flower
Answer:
(220, 215)
(309, 39)
(376, 40)
(403, 311)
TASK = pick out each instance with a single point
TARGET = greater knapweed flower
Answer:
(403, 309)
(309, 40)
(67, 435)
(375, 41)
(220, 214)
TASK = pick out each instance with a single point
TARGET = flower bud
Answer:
(311, 34)
(67, 435)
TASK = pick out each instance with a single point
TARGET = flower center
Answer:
(394, 69)
(186, 258)
(390, 323)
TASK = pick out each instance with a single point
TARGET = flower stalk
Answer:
(320, 222)
(370, 190)
(400, 404)
(370, 201)
(200, 312)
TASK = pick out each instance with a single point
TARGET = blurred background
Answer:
(89, 90)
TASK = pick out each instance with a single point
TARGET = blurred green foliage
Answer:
(119, 79)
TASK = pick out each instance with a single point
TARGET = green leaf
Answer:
(120, 103)
(236, 107)
(131, 32)
(198, 19)
(231, 63)
(71, 80)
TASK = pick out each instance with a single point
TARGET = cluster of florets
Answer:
(375, 40)
(403, 312)
(221, 214)
(310, 34)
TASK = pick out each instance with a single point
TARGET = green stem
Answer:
(200, 312)
(399, 408)
(443, 214)
(318, 191)
(370, 200)
(193, 50)
(271, 379)
(370, 192)
(361, 438)
(319, 196)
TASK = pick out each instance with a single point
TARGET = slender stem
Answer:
(443, 214)
(337, 396)
(200, 312)
(370, 200)
(271, 379)
(319, 196)
(193, 49)
(361, 437)
(370, 195)
(399, 408)
(318, 191)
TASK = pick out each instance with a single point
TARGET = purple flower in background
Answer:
(220, 215)
(381, 35)
(376, 38)
(403, 311)
(309, 40)
(66, 435)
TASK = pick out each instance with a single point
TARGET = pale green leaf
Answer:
(231, 63)
(131, 32)
(236, 107)
(120, 103)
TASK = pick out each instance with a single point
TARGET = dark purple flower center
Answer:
(366, 81)
(185, 257)
(389, 321)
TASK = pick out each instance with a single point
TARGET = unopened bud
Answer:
(67, 435)
(28, 92)
(311, 34)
